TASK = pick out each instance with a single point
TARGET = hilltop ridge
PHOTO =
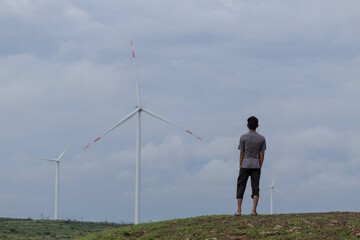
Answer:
(333, 225)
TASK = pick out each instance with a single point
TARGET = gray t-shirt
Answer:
(252, 143)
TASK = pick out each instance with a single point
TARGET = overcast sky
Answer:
(66, 76)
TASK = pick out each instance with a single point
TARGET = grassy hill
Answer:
(335, 225)
(47, 229)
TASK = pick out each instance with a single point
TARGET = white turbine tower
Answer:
(272, 187)
(57, 160)
(138, 111)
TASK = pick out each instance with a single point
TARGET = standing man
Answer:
(252, 148)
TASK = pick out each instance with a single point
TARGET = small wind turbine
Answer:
(272, 187)
(57, 160)
(138, 111)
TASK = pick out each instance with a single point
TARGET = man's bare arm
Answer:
(262, 155)
(242, 155)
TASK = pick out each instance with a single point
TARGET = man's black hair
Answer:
(253, 122)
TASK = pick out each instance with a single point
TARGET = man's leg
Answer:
(241, 185)
(255, 181)
(238, 212)
(255, 200)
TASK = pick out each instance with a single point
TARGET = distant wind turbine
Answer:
(57, 160)
(272, 187)
(138, 111)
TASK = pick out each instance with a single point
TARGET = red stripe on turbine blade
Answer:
(97, 139)
(86, 147)
(188, 131)
(199, 138)
(132, 44)
(133, 54)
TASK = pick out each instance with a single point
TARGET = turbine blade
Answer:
(62, 154)
(268, 187)
(170, 122)
(273, 182)
(63, 171)
(136, 75)
(115, 126)
(278, 191)
(48, 159)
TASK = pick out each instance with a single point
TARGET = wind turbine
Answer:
(57, 160)
(272, 187)
(138, 110)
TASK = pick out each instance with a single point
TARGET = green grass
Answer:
(336, 225)
(46, 229)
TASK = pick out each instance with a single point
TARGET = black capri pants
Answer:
(244, 174)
